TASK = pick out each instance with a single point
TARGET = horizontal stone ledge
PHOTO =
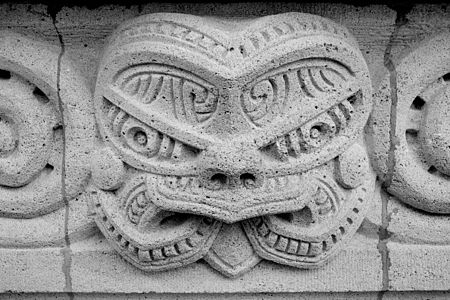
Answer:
(96, 268)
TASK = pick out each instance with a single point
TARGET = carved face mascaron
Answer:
(211, 122)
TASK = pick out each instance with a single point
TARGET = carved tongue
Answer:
(232, 254)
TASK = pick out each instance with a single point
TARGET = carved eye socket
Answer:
(192, 99)
(130, 133)
(141, 138)
(317, 132)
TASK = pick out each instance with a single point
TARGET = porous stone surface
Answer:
(94, 258)
(409, 128)
(221, 121)
(47, 130)
(223, 151)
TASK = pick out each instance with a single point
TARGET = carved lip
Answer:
(185, 194)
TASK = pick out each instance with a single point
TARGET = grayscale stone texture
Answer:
(225, 151)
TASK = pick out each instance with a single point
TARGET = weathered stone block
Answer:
(224, 152)
(418, 267)
(357, 268)
(31, 270)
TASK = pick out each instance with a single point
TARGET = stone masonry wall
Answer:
(225, 151)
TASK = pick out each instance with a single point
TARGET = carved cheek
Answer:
(352, 167)
(147, 236)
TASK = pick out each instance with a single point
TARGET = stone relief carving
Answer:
(231, 141)
(409, 129)
(411, 124)
(33, 133)
(222, 140)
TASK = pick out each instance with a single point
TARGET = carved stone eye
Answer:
(131, 134)
(141, 138)
(317, 132)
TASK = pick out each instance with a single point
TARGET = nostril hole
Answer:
(5, 74)
(248, 180)
(248, 176)
(219, 177)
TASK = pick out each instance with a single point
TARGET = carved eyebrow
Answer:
(184, 133)
(295, 118)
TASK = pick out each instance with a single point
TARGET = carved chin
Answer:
(275, 195)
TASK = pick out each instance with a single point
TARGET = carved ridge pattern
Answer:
(138, 135)
(312, 78)
(178, 31)
(138, 201)
(253, 42)
(418, 174)
(261, 39)
(194, 100)
(148, 251)
(31, 154)
(307, 251)
(333, 122)
(223, 130)
(31, 143)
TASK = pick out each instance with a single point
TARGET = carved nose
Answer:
(228, 167)
(220, 180)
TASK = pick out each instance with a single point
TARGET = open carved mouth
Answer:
(302, 234)
(187, 194)
(229, 204)
(305, 238)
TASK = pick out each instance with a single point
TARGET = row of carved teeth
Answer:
(192, 184)
(286, 244)
(303, 248)
(147, 255)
